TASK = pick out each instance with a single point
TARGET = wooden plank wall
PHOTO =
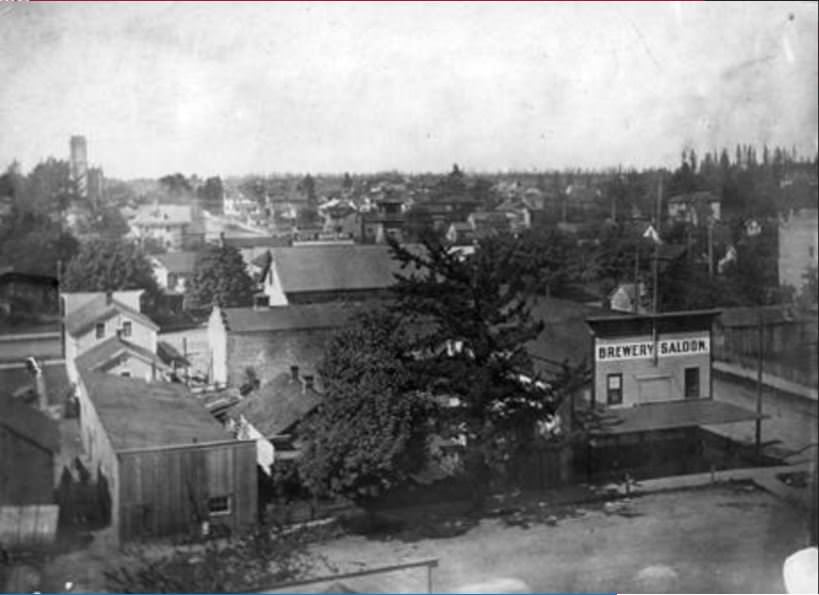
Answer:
(165, 492)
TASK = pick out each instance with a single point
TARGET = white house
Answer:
(173, 270)
(107, 332)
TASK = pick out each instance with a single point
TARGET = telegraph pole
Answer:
(760, 347)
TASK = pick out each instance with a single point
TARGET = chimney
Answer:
(294, 372)
(309, 383)
(109, 297)
(39, 383)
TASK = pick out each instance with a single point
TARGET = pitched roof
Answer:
(335, 267)
(139, 415)
(100, 309)
(277, 406)
(565, 336)
(290, 317)
(29, 423)
(16, 380)
(110, 349)
(170, 355)
(177, 262)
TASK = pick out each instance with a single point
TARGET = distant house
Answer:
(387, 220)
(309, 274)
(518, 212)
(489, 223)
(696, 208)
(461, 233)
(29, 441)
(173, 270)
(252, 247)
(341, 218)
(94, 319)
(116, 355)
(270, 340)
(629, 297)
(174, 227)
(24, 295)
(170, 468)
(798, 246)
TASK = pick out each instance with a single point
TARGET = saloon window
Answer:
(614, 389)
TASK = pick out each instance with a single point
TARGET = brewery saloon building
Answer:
(652, 378)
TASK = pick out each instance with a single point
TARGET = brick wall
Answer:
(271, 353)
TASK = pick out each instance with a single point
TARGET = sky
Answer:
(238, 88)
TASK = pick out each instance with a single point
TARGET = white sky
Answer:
(226, 89)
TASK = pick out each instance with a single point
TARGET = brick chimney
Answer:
(309, 382)
(109, 297)
(294, 373)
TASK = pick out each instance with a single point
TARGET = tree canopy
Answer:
(219, 277)
(476, 312)
(111, 264)
(369, 432)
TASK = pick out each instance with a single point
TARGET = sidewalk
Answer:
(767, 379)
(763, 477)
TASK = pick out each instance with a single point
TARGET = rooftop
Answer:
(99, 309)
(28, 422)
(110, 350)
(16, 380)
(275, 407)
(692, 197)
(290, 317)
(142, 415)
(335, 267)
(672, 414)
(177, 262)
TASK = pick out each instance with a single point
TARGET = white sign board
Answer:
(626, 350)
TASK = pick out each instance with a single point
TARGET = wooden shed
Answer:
(169, 466)
(28, 442)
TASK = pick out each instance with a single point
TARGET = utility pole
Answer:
(760, 348)
(710, 248)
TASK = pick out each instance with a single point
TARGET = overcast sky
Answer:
(305, 86)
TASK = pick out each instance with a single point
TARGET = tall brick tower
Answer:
(79, 164)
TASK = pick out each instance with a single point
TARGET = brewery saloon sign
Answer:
(623, 350)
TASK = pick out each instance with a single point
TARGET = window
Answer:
(219, 505)
(811, 251)
(125, 373)
(692, 383)
(126, 328)
(100, 330)
(614, 389)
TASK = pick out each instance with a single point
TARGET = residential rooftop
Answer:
(177, 262)
(142, 415)
(292, 317)
(29, 423)
(99, 309)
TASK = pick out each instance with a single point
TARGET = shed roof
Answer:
(672, 414)
(291, 317)
(277, 406)
(16, 379)
(100, 309)
(177, 262)
(142, 415)
(28, 422)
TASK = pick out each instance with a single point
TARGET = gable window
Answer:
(126, 328)
(219, 505)
(614, 389)
(100, 330)
(125, 374)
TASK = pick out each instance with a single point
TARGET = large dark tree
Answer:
(475, 306)
(212, 195)
(369, 433)
(111, 264)
(219, 277)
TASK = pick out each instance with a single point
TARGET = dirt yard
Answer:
(715, 540)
